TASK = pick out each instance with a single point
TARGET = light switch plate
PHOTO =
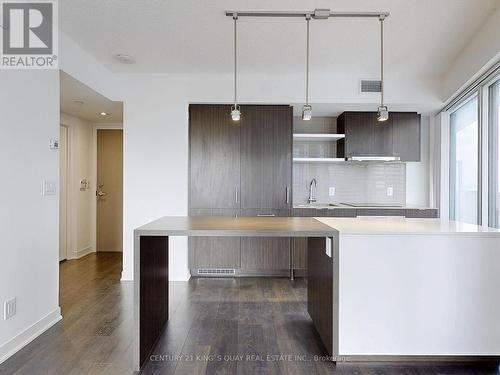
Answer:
(49, 188)
(390, 191)
(331, 191)
(54, 144)
(9, 308)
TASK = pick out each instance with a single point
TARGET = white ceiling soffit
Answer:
(422, 37)
(81, 101)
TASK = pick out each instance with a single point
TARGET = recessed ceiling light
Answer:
(104, 114)
(78, 102)
(125, 59)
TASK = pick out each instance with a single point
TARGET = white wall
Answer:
(479, 54)
(29, 225)
(81, 223)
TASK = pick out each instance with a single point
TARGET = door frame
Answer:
(95, 128)
(69, 171)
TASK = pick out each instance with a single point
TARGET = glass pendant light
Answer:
(383, 112)
(235, 108)
(307, 109)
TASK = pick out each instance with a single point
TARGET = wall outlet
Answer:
(9, 308)
(390, 191)
(331, 192)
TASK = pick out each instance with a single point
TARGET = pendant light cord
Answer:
(308, 18)
(235, 18)
(382, 61)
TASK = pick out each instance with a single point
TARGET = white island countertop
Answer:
(398, 225)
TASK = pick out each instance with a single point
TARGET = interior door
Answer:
(109, 190)
(63, 193)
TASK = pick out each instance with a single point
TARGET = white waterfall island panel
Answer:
(417, 287)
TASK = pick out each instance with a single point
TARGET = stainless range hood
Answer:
(373, 158)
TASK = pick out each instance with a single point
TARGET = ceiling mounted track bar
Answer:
(315, 14)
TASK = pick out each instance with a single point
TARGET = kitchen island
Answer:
(151, 268)
(412, 288)
(388, 288)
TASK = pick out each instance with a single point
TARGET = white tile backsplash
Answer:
(356, 182)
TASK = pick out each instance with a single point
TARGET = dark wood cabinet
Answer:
(214, 252)
(428, 213)
(214, 154)
(262, 253)
(266, 157)
(299, 250)
(406, 135)
(365, 136)
(362, 137)
(242, 168)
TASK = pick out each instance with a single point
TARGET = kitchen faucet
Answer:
(312, 198)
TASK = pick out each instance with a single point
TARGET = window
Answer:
(494, 151)
(464, 162)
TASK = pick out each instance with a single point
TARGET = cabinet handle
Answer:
(236, 194)
(287, 195)
(266, 215)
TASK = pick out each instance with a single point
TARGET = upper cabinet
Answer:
(406, 135)
(247, 164)
(266, 156)
(214, 154)
(365, 136)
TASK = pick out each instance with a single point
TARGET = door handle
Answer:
(100, 194)
(266, 215)
(236, 194)
(287, 195)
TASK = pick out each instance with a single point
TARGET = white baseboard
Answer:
(82, 252)
(29, 334)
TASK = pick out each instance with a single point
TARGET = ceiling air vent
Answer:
(370, 85)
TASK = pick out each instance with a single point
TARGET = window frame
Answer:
(493, 150)
(451, 192)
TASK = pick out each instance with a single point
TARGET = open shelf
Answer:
(317, 137)
(318, 160)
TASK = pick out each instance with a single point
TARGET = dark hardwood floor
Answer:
(217, 326)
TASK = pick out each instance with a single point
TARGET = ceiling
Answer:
(81, 101)
(191, 36)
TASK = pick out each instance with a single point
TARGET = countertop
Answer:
(236, 226)
(397, 225)
(305, 226)
(322, 206)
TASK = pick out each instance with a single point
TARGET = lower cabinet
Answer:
(262, 253)
(214, 252)
(299, 253)
(216, 256)
(430, 213)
